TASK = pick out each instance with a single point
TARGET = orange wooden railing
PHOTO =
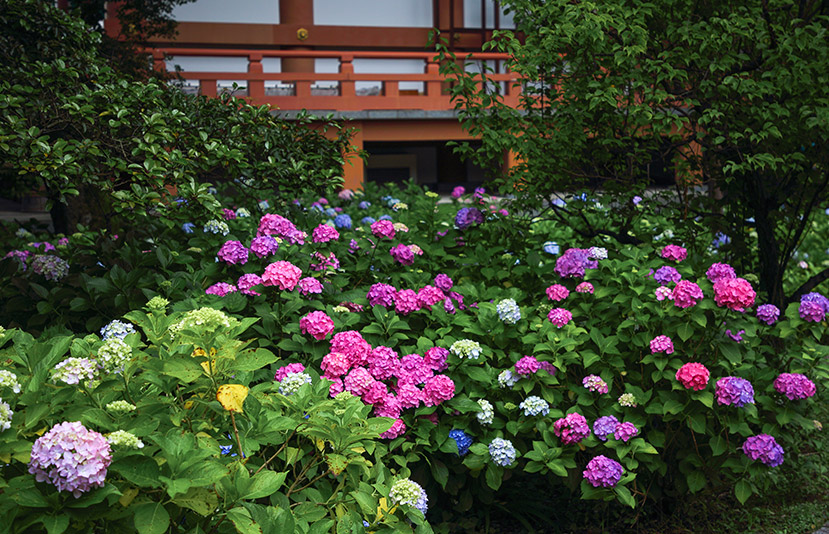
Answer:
(298, 90)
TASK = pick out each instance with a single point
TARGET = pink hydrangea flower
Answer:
(308, 286)
(397, 429)
(559, 316)
(413, 370)
(435, 359)
(406, 301)
(233, 252)
(438, 389)
(428, 296)
(358, 380)
(334, 365)
(402, 254)
(595, 384)
(345, 194)
(228, 214)
(584, 287)
(324, 233)
(625, 431)
(381, 295)
(325, 262)
(572, 428)
(282, 274)
(375, 393)
(409, 396)
(273, 224)
(557, 292)
(285, 370)
(662, 344)
(247, 281)
(383, 363)
(527, 365)
(71, 458)
(693, 376)
(336, 387)
(720, 271)
(458, 192)
(602, 472)
(220, 288)
(316, 323)
(383, 228)
(794, 386)
(662, 293)
(388, 407)
(686, 294)
(352, 344)
(674, 252)
(734, 293)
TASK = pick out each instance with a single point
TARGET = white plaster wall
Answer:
(391, 13)
(239, 11)
(472, 15)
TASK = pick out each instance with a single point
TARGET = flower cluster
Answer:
(383, 228)
(602, 472)
(720, 271)
(50, 267)
(502, 452)
(571, 428)
(735, 391)
(813, 307)
(264, 245)
(402, 254)
(6, 415)
(559, 316)
(574, 262)
(9, 380)
(595, 384)
(120, 407)
(405, 491)
(686, 294)
(666, 275)
(233, 252)
(466, 348)
(508, 311)
(768, 313)
(310, 286)
(628, 400)
(763, 447)
(220, 289)
(122, 438)
(487, 413)
(282, 274)
(734, 293)
(462, 439)
(381, 295)
(534, 405)
(466, 217)
(215, 226)
(71, 458)
(693, 376)
(204, 319)
(674, 252)
(247, 281)
(316, 323)
(113, 355)
(794, 386)
(584, 287)
(557, 292)
(72, 370)
(662, 344)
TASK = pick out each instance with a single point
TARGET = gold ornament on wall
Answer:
(302, 34)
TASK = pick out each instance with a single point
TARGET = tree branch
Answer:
(809, 285)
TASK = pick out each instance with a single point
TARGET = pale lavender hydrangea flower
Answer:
(502, 452)
(605, 426)
(71, 458)
(72, 370)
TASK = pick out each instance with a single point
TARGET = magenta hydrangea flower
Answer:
(336, 387)
(286, 370)
(662, 293)
(458, 192)
(381, 295)
(720, 271)
(662, 344)
(557, 292)
(574, 262)
(383, 228)
(383, 363)
(666, 275)
(794, 386)
(428, 296)
(443, 282)
(595, 384)
(246, 282)
(584, 287)
(71, 458)
(768, 313)
(282, 274)
(813, 307)
(273, 224)
(352, 344)
(316, 323)
(734, 391)
(693, 376)
(406, 301)
(602, 472)
(402, 254)
(264, 245)
(674, 252)
(547, 366)
(334, 365)
(605, 426)
(228, 214)
(388, 407)
(437, 389)
(413, 370)
(375, 393)
(435, 359)
(559, 316)
(358, 380)
(409, 395)
(571, 428)
(309, 286)
(734, 293)
(233, 252)
(527, 365)
(220, 289)
(324, 233)
(686, 294)
(625, 431)
(763, 447)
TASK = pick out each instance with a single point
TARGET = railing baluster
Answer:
(256, 88)
(208, 87)
(347, 69)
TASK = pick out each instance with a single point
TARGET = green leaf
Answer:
(200, 500)
(265, 483)
(718, 445)
(253, 360)
(186, 370)
(140, 470)
(494, 476)
(625, 496)
(440, 472)
(589, 357)
(55, 524)
(685, 331)
(672, 406)
(151, 518)
(743, 491)
(242, 521)
(696, 481)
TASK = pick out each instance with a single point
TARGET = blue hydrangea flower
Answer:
(534, 405)
(364, 205)
(385, 218)
(368, 220)
(118, 329)
(331, 212)
(720, 239)
(506, 379)
(462, 439)
(551, 247)
(188, 228)
(242, 213)
(508, 311)
(343, 221)
(502, 452)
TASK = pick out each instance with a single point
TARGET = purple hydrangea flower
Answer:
(813, 307)
(763, 447)
(667, 274)
(443, 282)
(51, 267)
(574, 262)
(720, 271)
(602, 472)
(768, 313)
(466, 217)
(71, 458)
(794, 385)
(233, 252)
(605, 426)
(733, 390)
(264, 245)
(246, 282)
(625, 431)
(381, 295)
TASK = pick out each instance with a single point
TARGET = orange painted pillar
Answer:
(354, 168)
(299, 13)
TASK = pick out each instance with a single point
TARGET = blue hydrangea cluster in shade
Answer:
(331, 212)
(508, 311)
(605, 426)
(462, 439)
(368, 220)
(385, 217)
(216, 227)
(551, 247)
(343, 221)
(506, 379)
(720, 239)
(188, 228)
(534, 405)
(466, 217)
(364, 205)
(502, 452)
(242, 213)
(118, 329)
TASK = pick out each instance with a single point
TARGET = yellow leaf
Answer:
(128, 496)
(208, 365)
(320, 443)
(232, 396)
